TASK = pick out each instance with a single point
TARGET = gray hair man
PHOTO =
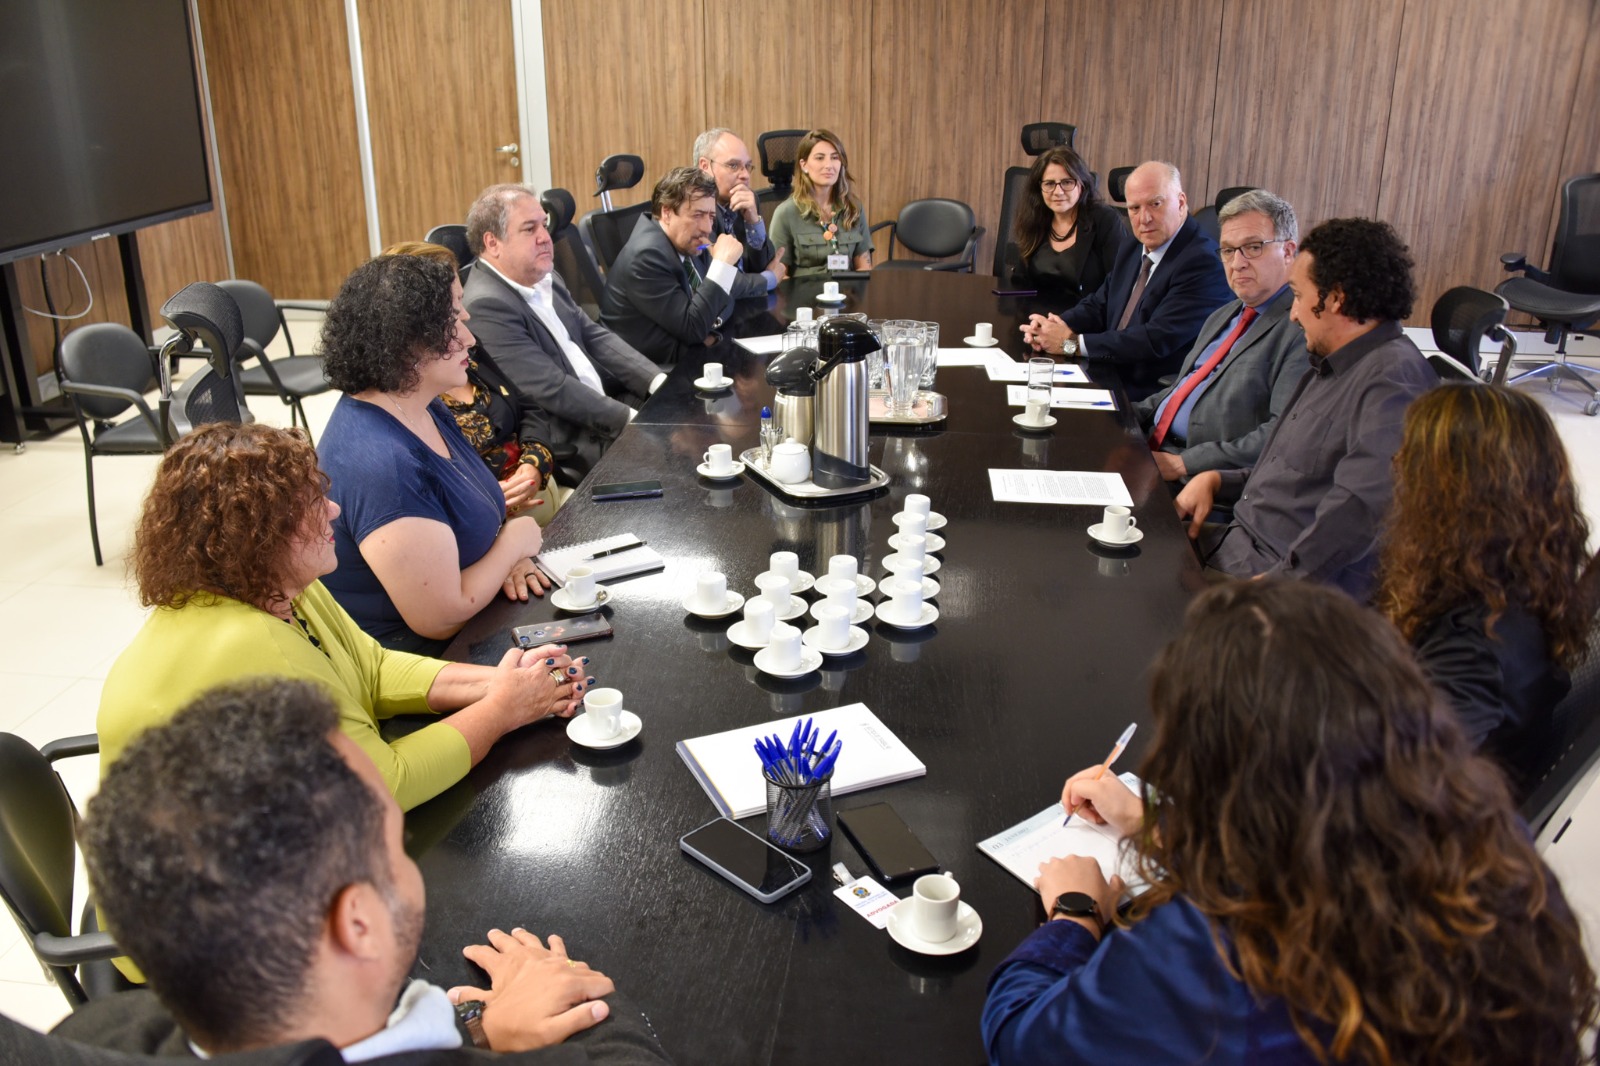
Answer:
(722, 154)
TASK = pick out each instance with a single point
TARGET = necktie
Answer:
(1188, 385)
(692, 274)
(1138, 291)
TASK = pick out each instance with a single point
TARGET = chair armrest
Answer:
(1514, 261)
(957, 265)
(75, 950)
(892, 227)
(67, 747)
(114, 392)
(879, 226)
(301, 305)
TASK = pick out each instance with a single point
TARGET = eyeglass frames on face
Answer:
(1252, 250)
(1057, 186)
(735, 166)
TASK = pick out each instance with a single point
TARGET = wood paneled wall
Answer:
(1454, 119)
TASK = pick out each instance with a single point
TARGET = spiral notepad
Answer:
(623, 564)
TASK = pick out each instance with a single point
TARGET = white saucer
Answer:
(736, 633)
(969, 927)
(733, 603)
(935, 543)
(797, 607)
(810, 659)
(858, 640)
(1135, 535)
(801, 581)
(560, 598)
(1022, 420)
(936, 521)
(976, 343)
(930, 615)
(704, 470)
(863, 610)
(578, 731)
(823, 298)
(707, 385)
(930, 564)
(930, 587)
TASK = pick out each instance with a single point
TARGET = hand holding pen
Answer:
(1105, 801)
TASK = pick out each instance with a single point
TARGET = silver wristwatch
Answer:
(1069, 346)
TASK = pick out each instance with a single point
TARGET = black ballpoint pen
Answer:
(614, 551)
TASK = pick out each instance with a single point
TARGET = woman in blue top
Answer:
(422, 538)
(1333, 875)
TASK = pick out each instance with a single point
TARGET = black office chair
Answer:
(1551, 790)
(454, 237)
(38, 821)
(1039, 137)
(616, 172)
(1566, 298)
(1117, 184)
(291, 379)
(574, 262)
(1462, 318)
(1208, 217)
(777, 150)
(935, 227)
(1006, 254)
(606, 229)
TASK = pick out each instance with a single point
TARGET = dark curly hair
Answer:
(217, 843)
(1368, 263)
(390, 313)
(1320, 806)
(228, 504)
(1032, 223)
(1485, 512)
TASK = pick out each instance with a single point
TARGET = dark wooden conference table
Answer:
(1037, 662)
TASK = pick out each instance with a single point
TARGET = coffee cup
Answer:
(913, 545)
(1117, 524)
(983, 331)
(783, 649)
(907, 597)
(719, 459)
(602, 709)
(917, 503)
(791, 462)
(805, 314)
(1038, 412)
(711, 591)
(830, 289)
(833, 626)
(914, 524)
(785, 563)
(901, 566)
(840, 592)
(775, 590)
(580, 586)
(713, 374)
(758, 618)
(846, 566)
(935, 900)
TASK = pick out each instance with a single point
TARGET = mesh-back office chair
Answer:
(606, 229)
(1461, 319)
(573, 260)
(1207, 217)
(1571, 753)
(38, 824)
(935, 227)
(1117, 184)
(1039, 137)
(616, 172)
(453, 236)
(1006, 254)
(776, 149)
(1566, 298)
(292, 379)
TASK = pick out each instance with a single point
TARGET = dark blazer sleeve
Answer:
(1109, 236)
(614, 356)
(647, 299)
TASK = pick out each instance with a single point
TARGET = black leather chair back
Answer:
(937, 227)
(618, 172)
(1006, 254)
(257, 311)
(574, 262)
(1117, 184)
(1039, 137)
(37, 821)
(1232, 192)
(1571, 744)
(106, 353)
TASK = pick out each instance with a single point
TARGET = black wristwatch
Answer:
(470, 1014)
(1078, 905)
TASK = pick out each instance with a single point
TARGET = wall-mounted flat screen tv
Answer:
(100, 121)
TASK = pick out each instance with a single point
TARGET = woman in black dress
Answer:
(1066, 238)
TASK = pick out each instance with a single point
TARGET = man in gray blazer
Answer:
(585, 379)
(665, 294)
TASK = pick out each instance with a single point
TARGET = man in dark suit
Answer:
(1149, 310)
(585, 379)
(1249, 356)
(722, 154)
(665, 294)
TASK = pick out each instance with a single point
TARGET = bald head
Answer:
(1157, 206)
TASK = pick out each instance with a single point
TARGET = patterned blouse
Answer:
(490, 420)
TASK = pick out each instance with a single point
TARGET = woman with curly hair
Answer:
(229, 550)
(1333, 874)
(822, 217)
(1066, 239)
(1481, 564)
(423, 538)
(496, 420)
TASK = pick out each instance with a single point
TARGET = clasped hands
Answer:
(1046, 333)
(537, 995)
(1103, 800)
(541, 682)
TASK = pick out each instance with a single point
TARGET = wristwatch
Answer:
(1077, 905)
(470, 1014)
(1069, 346)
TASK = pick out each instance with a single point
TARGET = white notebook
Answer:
(727, 767)
(1026, 845)
(623, 564)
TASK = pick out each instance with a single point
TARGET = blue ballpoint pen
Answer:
(1122, 742)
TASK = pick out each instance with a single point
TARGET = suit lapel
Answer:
(547, 340)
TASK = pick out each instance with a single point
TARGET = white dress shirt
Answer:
(541, 297)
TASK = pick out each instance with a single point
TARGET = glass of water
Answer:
(1041, 377)
(904, 363)
(930, 353)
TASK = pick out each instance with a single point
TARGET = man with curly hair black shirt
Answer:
(1314, 503)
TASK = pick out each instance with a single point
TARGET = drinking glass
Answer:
(904, 364)
(930, 353)
(1041, 377)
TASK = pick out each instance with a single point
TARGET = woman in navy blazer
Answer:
(1333, 875)
(1066, 239)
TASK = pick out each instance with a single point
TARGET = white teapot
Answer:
(791, 462)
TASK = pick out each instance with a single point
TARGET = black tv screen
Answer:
(100, 121)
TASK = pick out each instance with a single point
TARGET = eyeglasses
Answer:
(735, 166)
(1057, 186)
(1252, 250)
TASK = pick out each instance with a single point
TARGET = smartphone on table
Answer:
(745, 859)
(627, 490)
(889, 846)
(563, 630)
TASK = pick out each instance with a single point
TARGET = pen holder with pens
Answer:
(798, 814)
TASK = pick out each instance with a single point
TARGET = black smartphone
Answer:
(746, 859)
(1015, 292)
(891, 849)
(563, 630)
(627, 490)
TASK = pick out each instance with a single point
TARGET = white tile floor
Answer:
(63, 620)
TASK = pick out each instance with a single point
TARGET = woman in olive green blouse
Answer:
(823, 217)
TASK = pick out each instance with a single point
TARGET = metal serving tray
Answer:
(807, 491)
(929, 407)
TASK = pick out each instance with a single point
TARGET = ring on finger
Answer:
(557, 676)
